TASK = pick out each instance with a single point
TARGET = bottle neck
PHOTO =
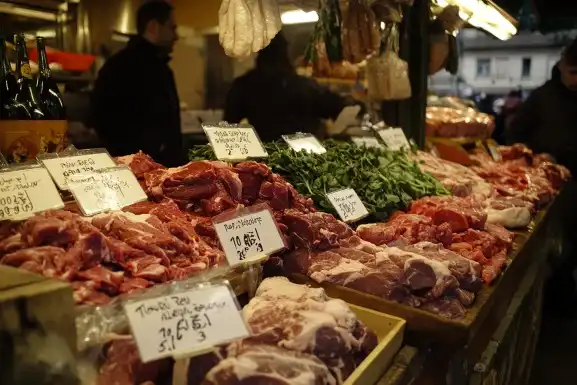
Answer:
(43, 67)
(4, 64)
(23, 64)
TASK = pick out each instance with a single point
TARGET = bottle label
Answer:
(26, 71)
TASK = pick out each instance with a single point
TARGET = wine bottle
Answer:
(47, 89)
(7, 83)
(26, 92)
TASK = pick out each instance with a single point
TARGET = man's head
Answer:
(155, 22)
(568, 66)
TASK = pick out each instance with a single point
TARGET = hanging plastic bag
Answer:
(388, 74)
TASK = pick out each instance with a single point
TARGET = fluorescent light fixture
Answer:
(484, 16)
(299, 17)
(26, 12)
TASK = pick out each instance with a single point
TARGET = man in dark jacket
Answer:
(276, 100)
(547, 121)
(135, 104)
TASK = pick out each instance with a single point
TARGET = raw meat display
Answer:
(108, 254)
(299, 336)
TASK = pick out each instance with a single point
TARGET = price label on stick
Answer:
(394, 138)
(235, 143)
(348, 205)
(27, 191)
(366, 141)
(307, 142)
(248, 235)
(184, 323)
(109, 189)
(62, 168)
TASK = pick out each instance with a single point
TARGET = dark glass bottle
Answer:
(47, 89)
(26, 92)
(7, 83)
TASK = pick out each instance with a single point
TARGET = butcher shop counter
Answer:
(501, 344)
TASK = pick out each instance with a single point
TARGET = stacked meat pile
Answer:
(299, 336)
(201, 190)
(458, 224)
(106, 255)
(510, 190)
(423, 275)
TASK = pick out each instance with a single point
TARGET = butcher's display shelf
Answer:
(424, 326)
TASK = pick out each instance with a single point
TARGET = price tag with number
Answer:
(26, 191)
(63, 167)
(235, 142)
(104, 190)
(307, 142)
(394, 138)
(366, 141)
(248, 234)
(184, 323)
(348, 205)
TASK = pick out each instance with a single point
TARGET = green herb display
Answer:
(386, 181)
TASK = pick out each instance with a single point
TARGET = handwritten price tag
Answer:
(235, 143)
(307, 142)
(26, 192)
(111, 189)
(248, 236)
(366, 141)
(348, 205)
(394, 138)
(63, 168)
(184, 323)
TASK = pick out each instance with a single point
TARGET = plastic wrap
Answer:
(388, 74)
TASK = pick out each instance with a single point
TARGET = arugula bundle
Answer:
(386, 181)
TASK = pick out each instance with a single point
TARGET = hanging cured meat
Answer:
(247, 26)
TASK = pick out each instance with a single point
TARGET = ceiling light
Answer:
(299, 17)
(26, 12)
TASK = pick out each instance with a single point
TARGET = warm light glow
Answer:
(483, 16)
(299, 17)
(26, 12)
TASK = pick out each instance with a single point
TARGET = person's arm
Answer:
(234, 110)
(525, 121)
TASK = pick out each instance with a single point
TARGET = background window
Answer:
(502, 67)
(483, 67)
(526, 67)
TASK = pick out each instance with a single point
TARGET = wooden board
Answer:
(424, 327)
(389, 331)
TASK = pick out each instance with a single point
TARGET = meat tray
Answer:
(422, 326)
(389, 331)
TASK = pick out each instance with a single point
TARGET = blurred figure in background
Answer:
(135, 105)
(276, 100)
(547, 121)
(512, 103)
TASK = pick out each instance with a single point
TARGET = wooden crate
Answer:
(424, 327)
(36, 315)
(389, 331)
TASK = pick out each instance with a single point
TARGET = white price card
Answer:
(366, 141)
(348, 205)
(27, 191)
(184, 323)
(108, 189)
(62, 168)
(248, 235)
(235, 143)
(307, 142)
(394, 138)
